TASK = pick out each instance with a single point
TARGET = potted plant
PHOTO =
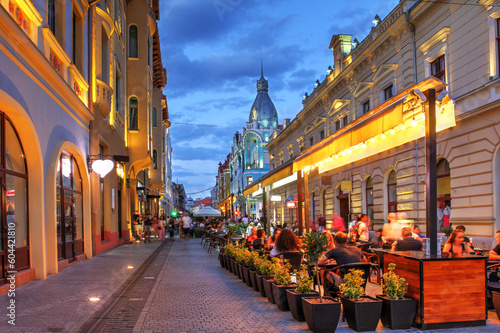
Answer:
(275, 264)
(361, 312)
(241, 258)
(282, 282)
(229, 252)
(197, 231)
(251, 263)
(303, 288)
(398, 311)
(321, 313)
(264, 272)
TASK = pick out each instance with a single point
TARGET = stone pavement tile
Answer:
(60, 303)
(194, 294)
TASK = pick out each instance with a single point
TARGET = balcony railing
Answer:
(103, 97)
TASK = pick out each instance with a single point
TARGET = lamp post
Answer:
(430, 171)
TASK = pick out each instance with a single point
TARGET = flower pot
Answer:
(227, 263)
(321, 317)
(253, 278)
(295, 303)
(243, 275)
(398, 314)
(246, 273)
(362, 315)
(269, 290)
(222, 260)
(279, 293)
(496, 302)
(234, 265)
(260, 281)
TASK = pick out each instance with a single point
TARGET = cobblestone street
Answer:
(173, 287)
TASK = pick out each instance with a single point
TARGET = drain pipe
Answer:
(414, 44)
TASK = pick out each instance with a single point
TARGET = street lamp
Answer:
(103, 164)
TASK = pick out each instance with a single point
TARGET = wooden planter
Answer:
(321, 317)
(295, 303)
(398, 314)
(279, 293)
(362, 315)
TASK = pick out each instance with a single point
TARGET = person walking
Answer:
(156, 223)
(161, 224)
(171, 227)
(148, 224)
(186, 225)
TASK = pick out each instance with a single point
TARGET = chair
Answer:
(341, 270)
(295, 259)
(374, 261)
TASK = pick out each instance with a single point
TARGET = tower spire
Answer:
(261, 69)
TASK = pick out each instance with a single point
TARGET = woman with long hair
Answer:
(271, 240)
(455, 244)
(287, 242)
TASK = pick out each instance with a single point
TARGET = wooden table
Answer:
(451, 290)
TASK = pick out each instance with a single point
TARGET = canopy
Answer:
(207, 211)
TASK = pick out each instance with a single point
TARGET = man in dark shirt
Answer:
(408, 243)
(495, 253)
(342, 254)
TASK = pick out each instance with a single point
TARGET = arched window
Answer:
(155, 159)
(133, 117)
(132, 42)
(443, 184)
(155, 117)
(69, 211)
(369, 197)
(14, 203)
(391, 192)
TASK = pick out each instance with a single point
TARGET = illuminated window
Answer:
(443, 184)
(132, 42)
(249, 180)
(391, 192)
(133, 119)
(388, 93)
(369, 197)
(438, 68)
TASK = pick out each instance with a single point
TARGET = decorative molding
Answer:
(338, 104)
(362, 87)
(439, 36)
(383, 71)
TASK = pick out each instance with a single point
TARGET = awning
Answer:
(249, 190)
(279, 174)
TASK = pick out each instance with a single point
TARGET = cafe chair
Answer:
(295, 259)
(374, 261)
(215, 241)
(342, 270)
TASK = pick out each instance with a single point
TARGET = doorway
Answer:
(344, 208)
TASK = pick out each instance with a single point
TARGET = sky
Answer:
(212, 50)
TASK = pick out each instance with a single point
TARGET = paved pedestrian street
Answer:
(173, 286)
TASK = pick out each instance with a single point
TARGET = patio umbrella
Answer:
(207, 211)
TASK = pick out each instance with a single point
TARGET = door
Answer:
(66, 232)
(344, 208)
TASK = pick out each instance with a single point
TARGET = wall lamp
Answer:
(103, 164)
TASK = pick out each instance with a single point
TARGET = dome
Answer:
(263, 110)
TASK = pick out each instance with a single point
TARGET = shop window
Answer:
(133, 118)
(438, 68)
(132, 42)
(69, 208)
(391, 192)
(369, 197)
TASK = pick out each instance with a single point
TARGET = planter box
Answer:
(295, 303)
(243, 276)
(228, 263)
(253, 279)
(222, 260)
(279, 293)
(321, 317)
(246, 273)
(269, 290)
(362, 315)
(398, 314)
(260, 281)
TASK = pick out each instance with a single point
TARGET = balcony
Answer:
(254, 165)
(103, 97)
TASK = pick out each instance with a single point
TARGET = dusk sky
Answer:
(212, 50)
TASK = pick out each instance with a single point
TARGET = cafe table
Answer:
(450, 288)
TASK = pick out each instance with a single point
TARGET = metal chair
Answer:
(295, 259)
(374, 261)
(341, 270)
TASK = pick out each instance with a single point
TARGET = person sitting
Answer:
(408, 243)
(287, 242)
(376, 239)
(258, 243)
(363, 234)
(495, 252)
(271, 240)
(462, 229)
(455, 244)
(331, 242)
(342, 254)
(416, 233)
(253, 235)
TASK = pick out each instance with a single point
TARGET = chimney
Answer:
(286, 122)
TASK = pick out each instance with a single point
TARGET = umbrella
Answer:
(207, 211)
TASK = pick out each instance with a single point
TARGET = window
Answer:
(369, 197)
(443, 184)
(69, 203)
(104, 56)
(155, 117)
(321, 135)
(155, 159)
(344, 121)
(497, 34)
(133, 119)
(366, 107)
(290, 154)
(438, 69)
(118, 91)
(391, 192)
(388, 93)
(51, 16)
(337, 125)
(249, 180)
(301, 148)
(132, 42)
(14, 203)
(311, 142)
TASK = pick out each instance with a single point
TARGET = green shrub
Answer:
(304, 281)
(352, 286)
(394, 286)
(282, 274)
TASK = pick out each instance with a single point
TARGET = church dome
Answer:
(263, 110)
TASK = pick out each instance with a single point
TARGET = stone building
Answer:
(358, 143)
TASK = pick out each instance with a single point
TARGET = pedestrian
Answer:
(148, 224)
(171, 227)
(186, 226)
(155, 226)
(162, 224)
(321, 223)
(137, 226)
